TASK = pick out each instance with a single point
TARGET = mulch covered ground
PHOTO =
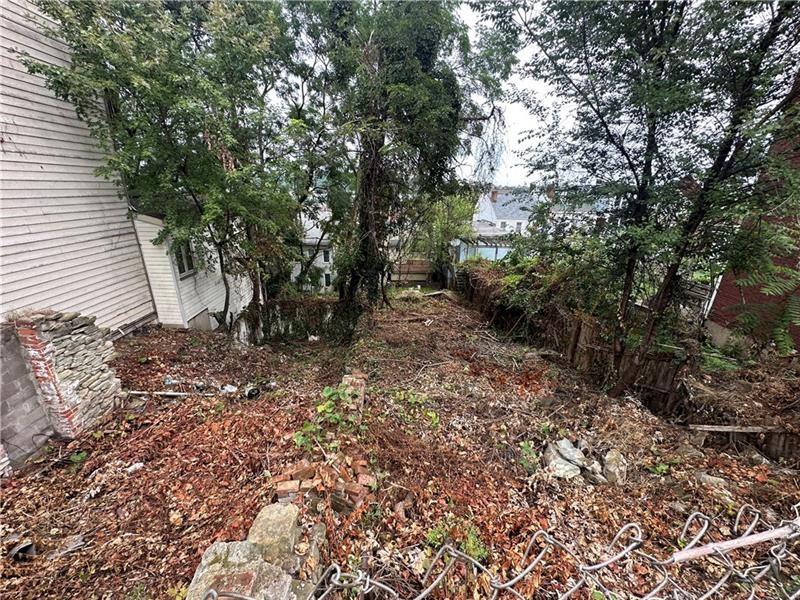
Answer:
(453, 426)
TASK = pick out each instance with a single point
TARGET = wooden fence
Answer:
(585, 345)
(662, 384)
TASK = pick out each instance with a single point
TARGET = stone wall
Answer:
(24, 425)
(278, 561)
(68, 356)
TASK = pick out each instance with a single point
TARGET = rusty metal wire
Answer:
(771, 569)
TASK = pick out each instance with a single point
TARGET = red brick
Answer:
(286, 488)
(355, 491)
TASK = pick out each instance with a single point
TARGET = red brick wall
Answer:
(731, 300)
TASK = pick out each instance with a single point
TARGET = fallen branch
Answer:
(735, 428)
(168, 394)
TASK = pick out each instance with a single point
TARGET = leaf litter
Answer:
(454, 423)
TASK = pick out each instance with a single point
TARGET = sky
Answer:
(510, 170)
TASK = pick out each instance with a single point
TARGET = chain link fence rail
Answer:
(754, 561)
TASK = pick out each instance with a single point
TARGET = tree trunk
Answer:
(369, 264)
(223, 273)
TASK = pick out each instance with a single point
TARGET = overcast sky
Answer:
(510, 171)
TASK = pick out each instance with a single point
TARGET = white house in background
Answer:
(507, 209)
(66, 240)
(317, 244)
(184, 294)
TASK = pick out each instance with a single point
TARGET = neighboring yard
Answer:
(453, 429)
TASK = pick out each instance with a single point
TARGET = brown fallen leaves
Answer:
(438, 448)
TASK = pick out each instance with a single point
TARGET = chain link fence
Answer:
(755, 560)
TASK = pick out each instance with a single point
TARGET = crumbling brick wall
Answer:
(24, 425)
(67, 356)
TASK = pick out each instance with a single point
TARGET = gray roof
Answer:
(514, 205)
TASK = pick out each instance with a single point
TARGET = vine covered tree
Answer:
(414, 86)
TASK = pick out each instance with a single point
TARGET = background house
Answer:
(507, 209)
(186, 294)
(317, 247)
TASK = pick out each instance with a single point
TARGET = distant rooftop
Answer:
(513, 204)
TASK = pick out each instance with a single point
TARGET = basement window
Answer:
(183, 256)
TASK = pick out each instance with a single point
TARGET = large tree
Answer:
(664, 115)
(414, 85)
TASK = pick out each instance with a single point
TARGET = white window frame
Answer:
(184, 258)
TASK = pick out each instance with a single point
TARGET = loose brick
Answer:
(285, 488)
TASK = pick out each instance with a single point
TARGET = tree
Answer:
(671, 108)
(412, 79)
(217, 116)
(442, 223)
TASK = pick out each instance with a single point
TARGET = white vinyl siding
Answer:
(160, 272)
(66, 242)
(180, 298)
(204, 290)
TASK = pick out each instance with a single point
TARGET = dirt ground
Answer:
(453, 428)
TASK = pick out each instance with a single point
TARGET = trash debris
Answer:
(24, 550)
(228, 389)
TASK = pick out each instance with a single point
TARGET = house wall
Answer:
(160, 272)
(66, 242)
(181, 301)
(204, 290)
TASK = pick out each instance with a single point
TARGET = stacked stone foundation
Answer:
(67, 356)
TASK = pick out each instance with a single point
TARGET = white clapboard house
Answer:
(68, 240)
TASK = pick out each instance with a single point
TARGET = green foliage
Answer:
(668, 144)
(332, 411)
(473, 546)
(715, 361)
(215, 115)
(415, 94)
(442, 222)
(448, 528)
(76, 460)
(528, 456)
(436, 536)
(659, 469)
